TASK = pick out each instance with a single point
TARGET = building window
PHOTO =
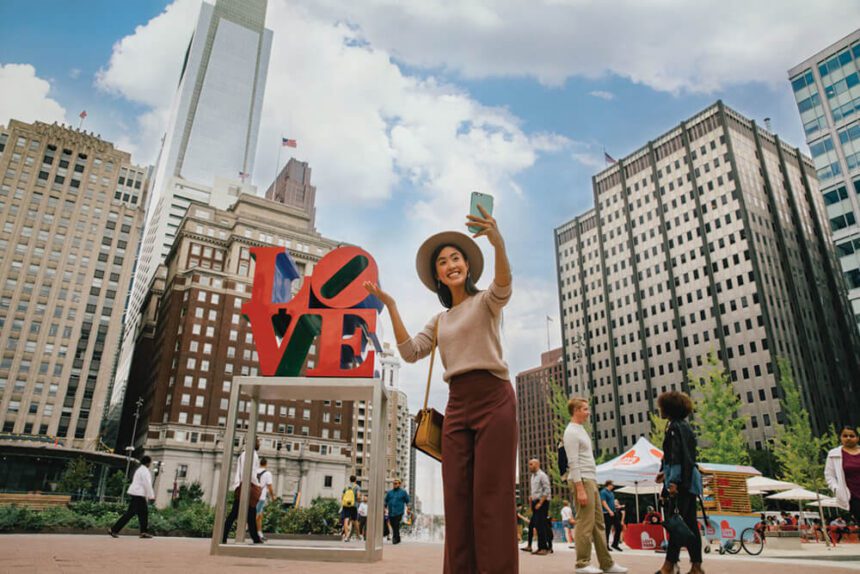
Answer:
(327, 481)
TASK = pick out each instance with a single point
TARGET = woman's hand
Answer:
(673, 489)
(374, 290)
(660, 477)
(488, 226)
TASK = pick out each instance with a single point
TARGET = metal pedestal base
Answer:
(256, 389)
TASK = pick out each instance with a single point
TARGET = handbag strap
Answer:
(432, 360)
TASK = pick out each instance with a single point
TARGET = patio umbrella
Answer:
(760, 484)
(800, 495)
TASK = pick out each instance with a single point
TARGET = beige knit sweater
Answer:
(469, 336)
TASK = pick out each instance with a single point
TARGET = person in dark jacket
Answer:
(682, 483)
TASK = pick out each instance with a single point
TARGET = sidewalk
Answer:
(80, 554)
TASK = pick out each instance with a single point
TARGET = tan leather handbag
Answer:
(428, 421)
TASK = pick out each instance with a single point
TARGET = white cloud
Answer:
(24, 96)
(602, 94)
(670, 45)
(75, 73)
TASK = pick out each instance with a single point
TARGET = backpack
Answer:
(562, 459)
(348, 498)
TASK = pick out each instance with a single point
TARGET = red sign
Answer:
(331, 306)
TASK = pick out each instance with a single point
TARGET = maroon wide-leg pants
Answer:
(479, 452)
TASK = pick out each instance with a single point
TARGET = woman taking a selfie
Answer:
(479, 434)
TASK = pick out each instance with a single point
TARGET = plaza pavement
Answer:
(73, 554)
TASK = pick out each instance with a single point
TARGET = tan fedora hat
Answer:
(460, 240)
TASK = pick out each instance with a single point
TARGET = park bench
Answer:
(34, 500)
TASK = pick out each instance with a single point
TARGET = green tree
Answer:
(717, 419)
(115, 484)
(559, 418)
(189, 494)
(658, 429)
(801, 455)
(77, 476)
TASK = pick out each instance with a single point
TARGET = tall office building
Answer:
(710, 238)
(71, 207)
(207, 154)
(827, 89)
(194, 341)
(535, 414)
(293, 187)
(398, 438)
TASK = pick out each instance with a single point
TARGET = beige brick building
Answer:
(71, 210)
(710, 238)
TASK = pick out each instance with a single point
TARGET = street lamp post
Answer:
(130, 448)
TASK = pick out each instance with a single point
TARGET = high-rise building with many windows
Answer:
(827, 90)
(711, 238)
(207, 154)
(71, 210)
(536, 417)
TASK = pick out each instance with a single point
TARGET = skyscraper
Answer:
(293, 187)
(827, 90)
(71, 209)
(207, 154)
(535, 414)
(712, 238)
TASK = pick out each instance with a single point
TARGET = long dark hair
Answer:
(442, 290)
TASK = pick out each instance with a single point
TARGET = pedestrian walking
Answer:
(682, 483)
(349, 506)
(842, 472)
(567, 522)
(539, 495)
(362, 518)
(479, 433)
(397, 504)
(140, 492)
(253, 496)
(611, 518)
(266, 479)
(582, 480)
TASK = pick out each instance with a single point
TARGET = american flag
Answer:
(242, 175)
(288, 142)
(83, 114)
(608, 158)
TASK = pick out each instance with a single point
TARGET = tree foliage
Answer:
(559, 418)
(801, 455)
(77, 476)
(658, 429)
(717, 417)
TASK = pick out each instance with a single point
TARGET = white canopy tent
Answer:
(763, 484)
(637, 467)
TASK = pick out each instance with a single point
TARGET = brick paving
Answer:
(73, 554)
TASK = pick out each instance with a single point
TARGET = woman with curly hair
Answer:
(682, 481)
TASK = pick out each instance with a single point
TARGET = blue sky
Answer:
(403, 108)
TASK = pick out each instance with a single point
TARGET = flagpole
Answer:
(548, 319)
(278, 165)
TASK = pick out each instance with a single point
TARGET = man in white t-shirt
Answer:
(265, 478)
(568, 522)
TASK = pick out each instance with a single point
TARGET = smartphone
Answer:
(485, 200)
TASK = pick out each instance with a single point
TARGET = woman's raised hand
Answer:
(374, 290)
(488, 226)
